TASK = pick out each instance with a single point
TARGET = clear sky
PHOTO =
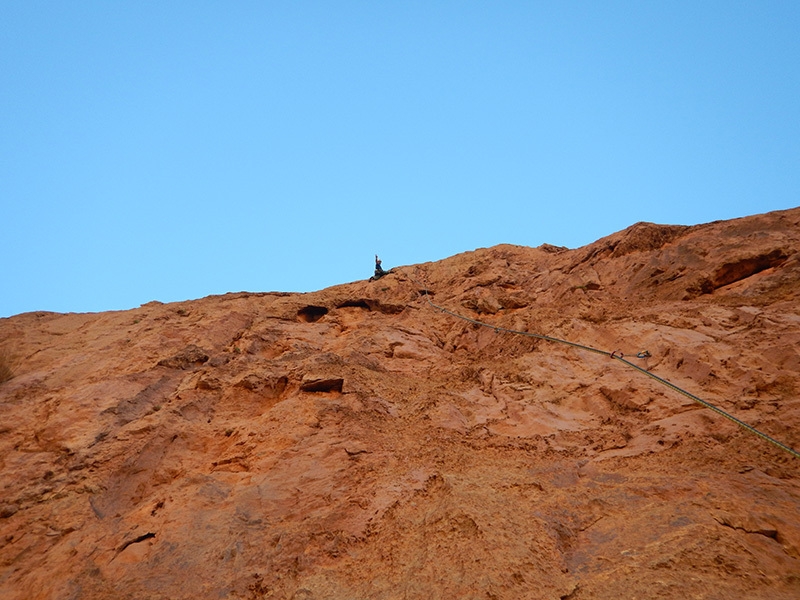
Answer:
(155, 150)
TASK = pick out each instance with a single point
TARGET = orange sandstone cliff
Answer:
(358, 443)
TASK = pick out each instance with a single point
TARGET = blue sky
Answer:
(172, 150)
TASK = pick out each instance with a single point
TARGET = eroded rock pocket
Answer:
(371, 304)
(735, 271)
(332, 384)
(311, 313)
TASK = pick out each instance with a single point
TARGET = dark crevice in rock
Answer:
(323, 385)
(571, 594)
(735, 271)
(311, 313)
(372, 305)
(136, 540)
(355, 304)
(726, 521)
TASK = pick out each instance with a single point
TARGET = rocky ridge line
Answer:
(355, 443)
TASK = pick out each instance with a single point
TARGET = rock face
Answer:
(358, 443)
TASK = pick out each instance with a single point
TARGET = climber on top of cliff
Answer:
(379, 272)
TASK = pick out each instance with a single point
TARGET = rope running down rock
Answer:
(615, 355)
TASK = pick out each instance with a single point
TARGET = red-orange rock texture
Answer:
(357, 443)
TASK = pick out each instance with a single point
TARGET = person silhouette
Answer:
(379, 272)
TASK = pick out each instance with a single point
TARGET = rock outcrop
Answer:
(357, 443)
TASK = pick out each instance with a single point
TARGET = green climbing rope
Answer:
(617, 355)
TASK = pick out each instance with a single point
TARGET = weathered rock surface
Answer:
(357, 443)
